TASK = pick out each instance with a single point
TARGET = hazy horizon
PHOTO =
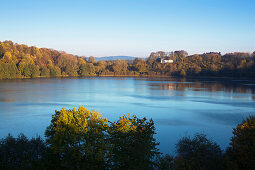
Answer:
(130, 28)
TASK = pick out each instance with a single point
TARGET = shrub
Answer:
(198, 153)
(21, 153)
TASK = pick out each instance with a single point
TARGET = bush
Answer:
(165, 162)
(198, 153)
(21, 153)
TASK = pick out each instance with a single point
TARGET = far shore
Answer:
(142, 76)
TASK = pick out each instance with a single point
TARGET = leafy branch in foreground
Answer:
(82, 139)
(241, 154)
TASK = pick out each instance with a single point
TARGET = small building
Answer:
(166, 60)
(163, 57)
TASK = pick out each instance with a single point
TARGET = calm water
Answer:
(178, 107)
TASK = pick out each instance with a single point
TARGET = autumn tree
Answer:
(7, 57)
(8, 70)
(45, 72)
(33, 61)
(152, 58)
(140, 65)
(87, 69)
(120, 67)
(100, 68)
(76, 139)
(242, 150)
(91, 59)
(54, 70)
(28, 68)
(68, 64)
(71, 70)
(81, 61)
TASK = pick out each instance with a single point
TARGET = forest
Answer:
(83, 139)
(22, 61)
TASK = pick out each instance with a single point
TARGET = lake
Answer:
(179, 107)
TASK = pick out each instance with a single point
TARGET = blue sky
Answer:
(130, 27)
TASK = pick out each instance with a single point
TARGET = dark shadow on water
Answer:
(222, 117)
(176, 122)
(246, 104)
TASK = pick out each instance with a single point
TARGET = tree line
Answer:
(83, 139)
(21, 61)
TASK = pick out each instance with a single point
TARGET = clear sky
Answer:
(130, 27)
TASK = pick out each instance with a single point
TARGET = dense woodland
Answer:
(83, 139)
(21, 61)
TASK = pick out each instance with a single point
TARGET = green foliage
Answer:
(8, 70)
(29, 70)
(82, 139)
(71, 70)
(87, 69)
(165, 162)
(100, 67)
(26, 71)
(76, 139)
(198, 153)
(21, 153)
(45, 72)
(133, 145)
(242, 151)
(55, 71)
(120, 67)
(140, 65)
(34, 71)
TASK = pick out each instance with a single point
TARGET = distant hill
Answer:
(111, 58)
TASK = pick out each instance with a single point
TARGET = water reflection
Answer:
(233, 89)
(178, 106)
(211, 86)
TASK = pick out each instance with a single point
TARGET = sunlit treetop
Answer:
(79, 120)
(125, 124)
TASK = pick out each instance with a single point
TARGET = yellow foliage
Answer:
(248, 124)
(50, 63)
(125, 124)
(79, 120)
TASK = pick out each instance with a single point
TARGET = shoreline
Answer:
(139, 76)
